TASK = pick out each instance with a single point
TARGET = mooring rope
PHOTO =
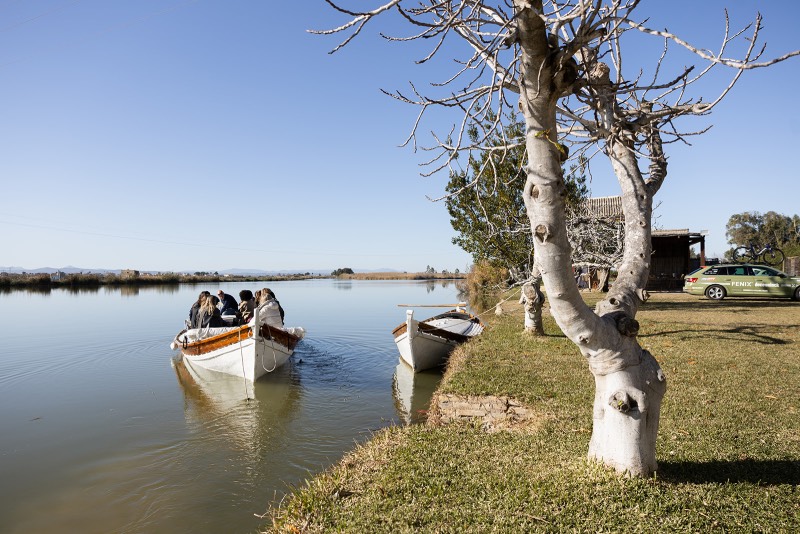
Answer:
(244, 371)
(488, 310)
(274, 357)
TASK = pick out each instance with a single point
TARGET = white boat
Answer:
(244, 351)
(427, 344)
(412, 392)
(250, 417)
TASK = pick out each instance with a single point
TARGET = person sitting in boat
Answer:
(269, 309)
(208, 316)
(196, 308)
(247, 305)
(227, 304)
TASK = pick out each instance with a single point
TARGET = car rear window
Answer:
(730, 270)
(764, 271)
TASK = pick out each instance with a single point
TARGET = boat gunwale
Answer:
(426, 328)
(224, 339)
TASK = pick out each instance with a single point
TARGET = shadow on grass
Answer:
(702, 304)
(761, 472)
(739, 334)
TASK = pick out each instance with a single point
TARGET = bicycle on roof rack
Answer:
(769, 255)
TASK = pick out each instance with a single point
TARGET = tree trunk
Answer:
(629, 383)
(532, 300)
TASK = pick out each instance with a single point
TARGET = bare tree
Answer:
(563, 61)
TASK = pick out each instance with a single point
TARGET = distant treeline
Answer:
(26, 280)
(401, 276)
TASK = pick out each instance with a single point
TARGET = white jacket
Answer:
(270, 313)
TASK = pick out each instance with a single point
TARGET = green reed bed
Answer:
(728, 447)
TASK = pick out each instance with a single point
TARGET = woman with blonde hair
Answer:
(192, 323)
(208, 316)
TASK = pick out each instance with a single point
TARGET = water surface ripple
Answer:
(104, 429)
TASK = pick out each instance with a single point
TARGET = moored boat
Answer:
(248, 351)
(412, 392)
(427, 344)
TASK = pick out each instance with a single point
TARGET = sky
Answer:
(205, 135)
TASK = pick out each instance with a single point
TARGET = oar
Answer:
(457, 305)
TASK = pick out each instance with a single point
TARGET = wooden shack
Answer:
(129, 274)
(670, 258)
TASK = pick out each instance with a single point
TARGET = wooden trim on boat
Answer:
(213, 343)
(400, 330)
(203, 346)
(446, 334)
(280, 336)
(428, 329)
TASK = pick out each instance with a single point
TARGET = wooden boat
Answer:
(221, 404)
(412, 392)
(427, 344)
(247, 351)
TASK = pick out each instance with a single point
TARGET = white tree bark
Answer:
(629, 383)
(550, 57)
(532, 300)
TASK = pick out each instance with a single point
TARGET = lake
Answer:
(103, 429)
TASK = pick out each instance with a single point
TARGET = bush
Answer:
(483, 277)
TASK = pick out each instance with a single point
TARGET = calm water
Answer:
(103, 429)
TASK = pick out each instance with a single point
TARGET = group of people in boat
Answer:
(212, 311)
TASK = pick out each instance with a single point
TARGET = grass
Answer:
(728, 447)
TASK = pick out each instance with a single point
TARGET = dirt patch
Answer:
(494, 413)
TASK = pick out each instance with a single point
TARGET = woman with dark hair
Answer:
(247, 305)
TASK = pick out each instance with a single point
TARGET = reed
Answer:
(87, 280)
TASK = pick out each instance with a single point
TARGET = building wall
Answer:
(669, 262)
(792, 266)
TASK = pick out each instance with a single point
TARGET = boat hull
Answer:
(427, 344)
(237, 352)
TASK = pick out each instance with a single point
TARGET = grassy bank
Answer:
(728, 447)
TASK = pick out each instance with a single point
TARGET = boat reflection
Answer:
(251, 416)
(413, 391)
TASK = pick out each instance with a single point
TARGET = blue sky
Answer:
(208, 135)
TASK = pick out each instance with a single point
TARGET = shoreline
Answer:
(515, 460)
(46, 282)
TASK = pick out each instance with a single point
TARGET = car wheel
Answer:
(715, 292)
(797, 293)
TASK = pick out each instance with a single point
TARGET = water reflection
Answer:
(165, 450)
(84, 290)
(345, 285)
(42, 290)
(249, 414)
(413, 391)
(129, 291)
(132, 290)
